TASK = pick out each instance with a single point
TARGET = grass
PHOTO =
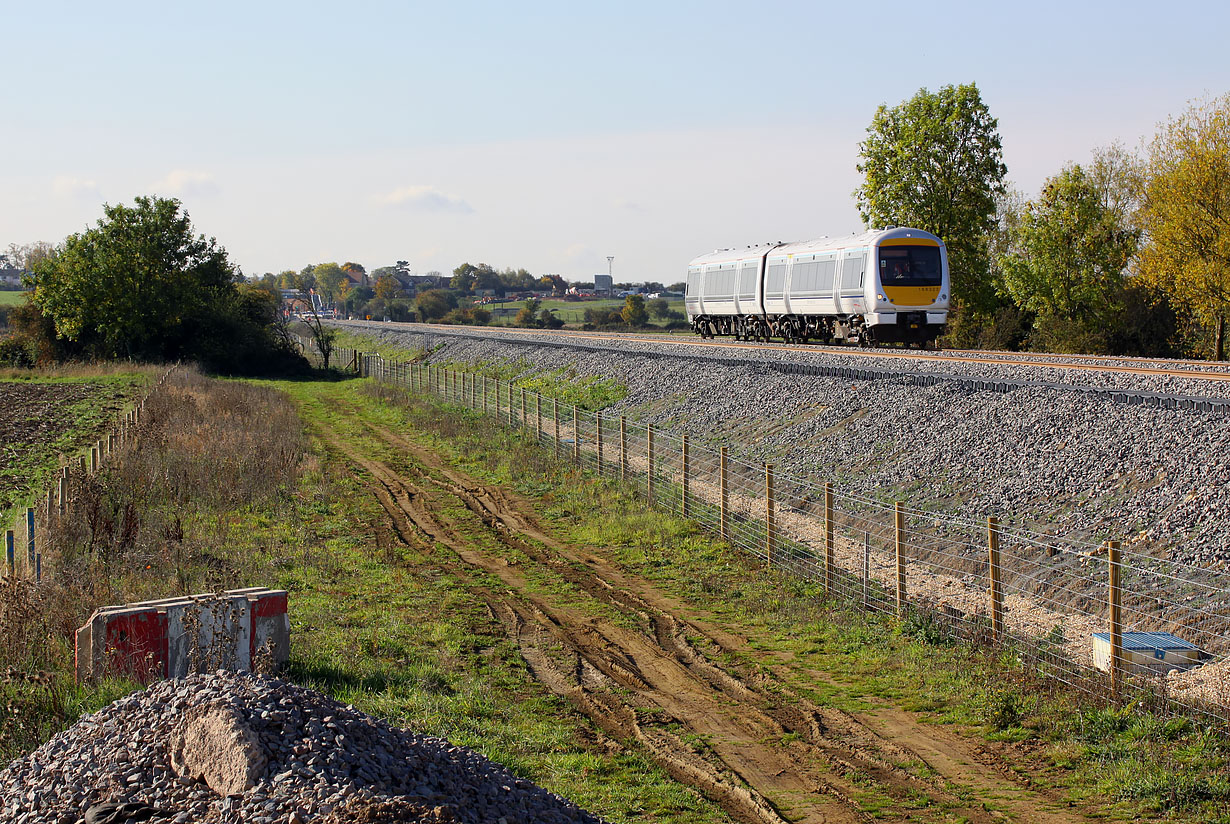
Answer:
(570, 312)
(399, 633)
(9, 297)
(1124, 763)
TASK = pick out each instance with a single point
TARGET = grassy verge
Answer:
(590, 392)
(1121, 763)
(402, 634)
(9, 297)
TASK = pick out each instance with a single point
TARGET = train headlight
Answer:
(943, 297)
(881, 297)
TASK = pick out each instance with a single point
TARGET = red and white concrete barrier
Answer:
(237, 630)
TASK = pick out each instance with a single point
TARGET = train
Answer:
(886, 285)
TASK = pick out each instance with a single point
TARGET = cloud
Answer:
(628, 205)
(68, 186)
(186, 182)
(426, 199)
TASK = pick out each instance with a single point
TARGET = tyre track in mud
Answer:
(766, 754)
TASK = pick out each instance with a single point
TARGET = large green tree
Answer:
(1185, 215)
(329, 279)
(135, 285)
(1070, 252)
(935, 162)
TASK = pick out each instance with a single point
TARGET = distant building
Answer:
(603, 284)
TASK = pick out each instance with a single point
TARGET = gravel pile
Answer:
(1060, 461)
(307, 759)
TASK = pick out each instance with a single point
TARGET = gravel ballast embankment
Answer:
(315, 760)
(1062, 461)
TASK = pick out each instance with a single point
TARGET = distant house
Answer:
(10, 278)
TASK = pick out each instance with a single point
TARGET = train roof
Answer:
(807, 247)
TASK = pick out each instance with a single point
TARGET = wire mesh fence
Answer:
(1118, 626)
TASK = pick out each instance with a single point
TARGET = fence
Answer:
(1089, 615)
(33, 525)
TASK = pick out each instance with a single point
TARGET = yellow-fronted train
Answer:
(882, 286)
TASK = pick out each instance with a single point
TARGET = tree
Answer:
(356, 272)
(547, 319)
(463, 278)
(528, 316)
(634, 313)
(26, 257)
(435, 303)
(935, 162)
(1070, 252)
(329, 278)
(324, 336)
(1185, 215)
(136, 284)
(660, 308)
(387, 288)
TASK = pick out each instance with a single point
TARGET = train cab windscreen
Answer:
(910, 266)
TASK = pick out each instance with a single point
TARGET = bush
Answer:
(18, 352)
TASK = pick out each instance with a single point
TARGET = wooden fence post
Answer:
(524, 414)
(829, 554)
(598, 439)
(1116, 622)
(576, 436)
(623, 449)
(997, 592)
(866, 570)
(538, 416)
(684, 507)
(555, 416)
(649, 460)
(899, 535)
(768, 514)
(94, 459)
(724, 499)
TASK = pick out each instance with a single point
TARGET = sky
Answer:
(544, 135)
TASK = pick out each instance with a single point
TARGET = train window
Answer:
(852, 274)
(775, 278)
(910, 265)
(805, 278)
(747, 280)
(825, 280)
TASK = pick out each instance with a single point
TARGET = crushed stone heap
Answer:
(235, 747)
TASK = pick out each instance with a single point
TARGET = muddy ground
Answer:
(619, 650)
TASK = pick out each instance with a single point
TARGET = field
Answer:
(455, 577)
(571, 313)
(49, 418)
(11, 298)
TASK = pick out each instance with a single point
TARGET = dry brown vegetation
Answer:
(151, 523)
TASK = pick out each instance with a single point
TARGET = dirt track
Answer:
(616, 650)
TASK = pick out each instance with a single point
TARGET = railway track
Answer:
(1155, 367)
(1120, 380)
